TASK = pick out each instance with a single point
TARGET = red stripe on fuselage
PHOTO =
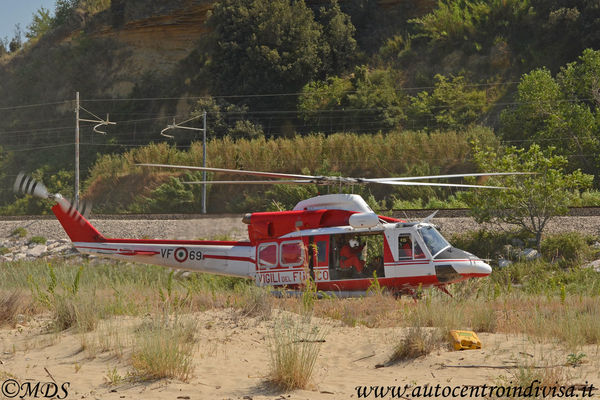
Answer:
(232, 258)
(364, 284)
(181, 242)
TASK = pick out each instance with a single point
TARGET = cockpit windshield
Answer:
(434, 241)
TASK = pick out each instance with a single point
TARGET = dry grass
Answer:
(547, 376)
(487, 305)
(257, 302)
(113, 337)
(11, 305)
(80, 312)
(417, 342)
(163, 349)
(373, 311)
(295, 344)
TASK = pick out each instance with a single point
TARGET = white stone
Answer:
(37, 251)
(504, 263)
(62, 248)
(593, 264)
(530, 254)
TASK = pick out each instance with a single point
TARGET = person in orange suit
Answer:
(350, 256)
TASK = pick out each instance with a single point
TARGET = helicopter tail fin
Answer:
(76, 225)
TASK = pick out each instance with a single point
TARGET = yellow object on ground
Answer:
(465, 340)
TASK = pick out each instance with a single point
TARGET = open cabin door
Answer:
(356, 256)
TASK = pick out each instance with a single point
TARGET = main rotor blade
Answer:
(282, 182)
(234, 171)
(411, 183)
(409, 178)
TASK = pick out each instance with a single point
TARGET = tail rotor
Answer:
(27, 185)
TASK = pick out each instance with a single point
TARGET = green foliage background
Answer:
(311, 72)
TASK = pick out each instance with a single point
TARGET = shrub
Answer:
(569, 247)
(488, 244)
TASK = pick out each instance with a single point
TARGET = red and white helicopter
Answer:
(335, 239)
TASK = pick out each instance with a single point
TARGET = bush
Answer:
(569, 247)
(489, 244)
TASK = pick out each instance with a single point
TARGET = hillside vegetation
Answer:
(359, 88)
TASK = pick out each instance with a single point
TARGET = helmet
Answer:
(353, 243)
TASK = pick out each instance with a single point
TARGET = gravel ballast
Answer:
(231, 227)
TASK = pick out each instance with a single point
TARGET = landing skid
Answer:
(444, 290)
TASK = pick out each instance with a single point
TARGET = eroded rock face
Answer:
(150, 36)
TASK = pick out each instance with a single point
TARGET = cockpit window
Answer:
(434, 241)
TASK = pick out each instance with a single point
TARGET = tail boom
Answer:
(218, 257)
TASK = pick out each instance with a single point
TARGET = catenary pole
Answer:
(76, 149)
(204, 165)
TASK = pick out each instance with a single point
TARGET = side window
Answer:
(418, 252)
(321, 251)
(404, 247)
(267, 255)
(292, 253)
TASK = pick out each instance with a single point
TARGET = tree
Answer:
(225, 118)
(338, 43)
(530, 201)
(453, 104)
(275, 46)
(368, 101)
(561, 111)
(3, 46)
(16, 42)
(41, 23)
(63, 11)
(263, 46)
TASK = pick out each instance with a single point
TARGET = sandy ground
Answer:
(232, 361)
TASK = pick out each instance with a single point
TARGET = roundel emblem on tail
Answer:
(181, 254)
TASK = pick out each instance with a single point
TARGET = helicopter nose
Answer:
(479, 268)
(455, 265)
(486, 269)
(473, 268)
(460, 270)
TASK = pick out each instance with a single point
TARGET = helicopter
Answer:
(335, 240)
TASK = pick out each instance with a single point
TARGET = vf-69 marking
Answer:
(181, 254)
